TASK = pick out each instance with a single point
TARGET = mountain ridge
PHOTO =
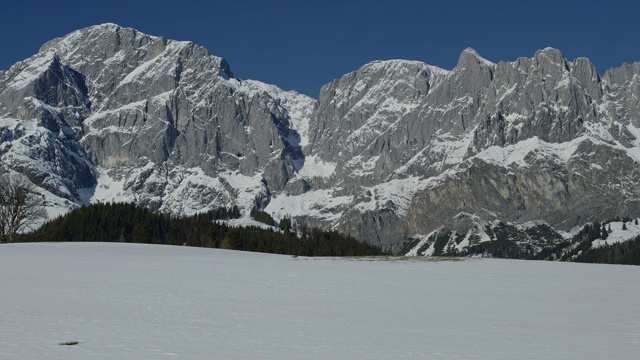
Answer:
(389, 152)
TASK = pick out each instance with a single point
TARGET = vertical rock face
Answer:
(389, 153)
(529, 140)
(43, 105)
(148, 116)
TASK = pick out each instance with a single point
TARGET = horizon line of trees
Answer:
(127, 223)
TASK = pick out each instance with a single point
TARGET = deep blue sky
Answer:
(304, 44)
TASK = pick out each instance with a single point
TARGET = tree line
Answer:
(627, 252)
(127, 223)
(624, 253)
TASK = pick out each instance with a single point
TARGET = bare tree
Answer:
(20, 206)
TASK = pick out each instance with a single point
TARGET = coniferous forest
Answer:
(624, 253)
(128, 223)
(131, 224)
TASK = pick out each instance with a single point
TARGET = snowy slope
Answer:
(618, 234)
(125, 301)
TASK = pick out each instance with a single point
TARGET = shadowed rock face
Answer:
(393, 150)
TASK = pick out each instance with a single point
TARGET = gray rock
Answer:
(391, 152)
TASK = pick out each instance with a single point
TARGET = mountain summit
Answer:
(391, 153)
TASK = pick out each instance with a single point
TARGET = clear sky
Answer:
(304, 44)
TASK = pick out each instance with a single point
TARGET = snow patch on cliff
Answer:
(515, 154)
(316, 167)
(396, 195)
(323, 205)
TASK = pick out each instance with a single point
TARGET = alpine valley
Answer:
(400, 154)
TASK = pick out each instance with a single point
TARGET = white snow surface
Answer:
(246, 221)
(515, 154)
(110, 190)
(313, 166)
(321, 204)
(129, 301)
(399, 192)
(246, 188)
(618, 235)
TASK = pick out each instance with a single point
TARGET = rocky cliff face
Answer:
(141, 118)
(392, 152)
(540, 139)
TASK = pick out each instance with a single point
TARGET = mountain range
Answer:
(400, 154)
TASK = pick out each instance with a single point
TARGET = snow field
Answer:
(125, 301)
(617, 234)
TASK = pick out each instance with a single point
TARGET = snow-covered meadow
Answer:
(125, 301)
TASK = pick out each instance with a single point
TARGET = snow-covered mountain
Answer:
(389, 153)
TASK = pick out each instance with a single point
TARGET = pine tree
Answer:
(596, 231)
(285, 224)
(624, 226)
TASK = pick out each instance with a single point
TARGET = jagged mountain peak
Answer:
(399, 64)
(110, 43)
(389, 152)
(549, 58)
(551, 53)
(470, 57)
(108, 31)
(145, 115)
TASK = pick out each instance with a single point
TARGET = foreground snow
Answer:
(124, 301)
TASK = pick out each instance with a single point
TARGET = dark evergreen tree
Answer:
(262, 217)
(604, 233)
(285, 224)
(128, 223)
(627, 252)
